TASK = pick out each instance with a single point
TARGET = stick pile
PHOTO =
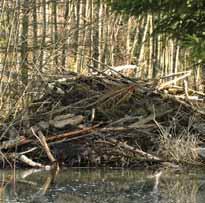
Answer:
(102, 121)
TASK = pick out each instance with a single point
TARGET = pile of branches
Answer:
(104, 120)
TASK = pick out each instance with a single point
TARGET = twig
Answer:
(149, 118)
(133, 150)
(163, 85)
(72, 134)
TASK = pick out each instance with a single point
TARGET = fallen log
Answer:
(24, 141)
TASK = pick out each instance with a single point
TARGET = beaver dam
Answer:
(106, 120)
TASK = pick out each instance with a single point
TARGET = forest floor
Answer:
(108, 121)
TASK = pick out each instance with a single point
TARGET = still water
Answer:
(106, 186)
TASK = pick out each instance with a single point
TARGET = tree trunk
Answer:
(175, 58)
(55, 34)
(143, 39)
(43, 40)
(35, 34)
(95, 36)
(77, 30)
(24, 43)
(64, 40)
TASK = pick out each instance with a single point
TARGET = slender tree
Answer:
(24, 42)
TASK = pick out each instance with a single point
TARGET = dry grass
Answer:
(16, 97)
(179, 148)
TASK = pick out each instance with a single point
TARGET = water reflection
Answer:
(106, 186)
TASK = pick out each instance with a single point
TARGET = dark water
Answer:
(106, 186)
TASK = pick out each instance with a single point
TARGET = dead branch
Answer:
(163, 85)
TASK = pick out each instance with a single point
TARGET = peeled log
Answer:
(64, 120)
(63, 117)
(126, 70)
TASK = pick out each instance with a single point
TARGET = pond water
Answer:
(106, 186)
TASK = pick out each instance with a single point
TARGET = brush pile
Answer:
(107, 121)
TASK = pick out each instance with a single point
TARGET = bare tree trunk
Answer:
(143, 39)
(155, 51)
(24, 43)
(64, 40)
(171, 55)
(95, 36)
(100, 30)
(149, 65)
(203, 77)
(175, 58)
(196, 77)
(43, 40)
(114, 33)
(128, 40)
(82, 36)
(55, 34)
(135, 41)
(77, 28)
(90, 31)
(35, 33)
(84, 30)
(166, 59)
(105, 33)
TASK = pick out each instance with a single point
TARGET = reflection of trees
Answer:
(17, 187)
(182, 188)
(93, 186)
(171, 188)
(105, 187)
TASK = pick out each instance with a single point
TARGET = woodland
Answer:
(116, 83)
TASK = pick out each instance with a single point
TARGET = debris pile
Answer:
(103, 121)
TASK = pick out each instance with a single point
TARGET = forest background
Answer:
(40, 39)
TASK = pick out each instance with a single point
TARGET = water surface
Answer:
(106, 186)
